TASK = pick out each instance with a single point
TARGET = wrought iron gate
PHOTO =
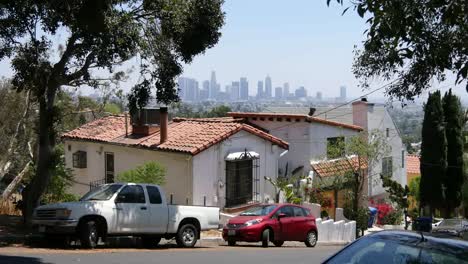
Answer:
(242, 180)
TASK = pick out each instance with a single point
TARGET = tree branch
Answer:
(60, 65)
(83, 70)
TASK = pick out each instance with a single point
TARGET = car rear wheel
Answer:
(89, 235)
(311, 239)
(265, 238)
(187, 236)
(231, 243)
(278, 243)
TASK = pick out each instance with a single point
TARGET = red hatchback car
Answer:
(272, 223)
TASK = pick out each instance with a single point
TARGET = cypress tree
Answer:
(453, 181)
(433, 154)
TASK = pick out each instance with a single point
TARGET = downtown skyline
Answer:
(243, 89)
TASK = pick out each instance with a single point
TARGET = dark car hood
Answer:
(241, 219)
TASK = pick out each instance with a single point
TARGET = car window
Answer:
(298, 212)
(154, 195)
(259, 210)
(306, 212)
(368, 250)
(131, 194)
(287, 210)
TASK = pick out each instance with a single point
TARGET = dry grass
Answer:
(7, 207)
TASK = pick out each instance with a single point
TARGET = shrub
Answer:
(387, 215)
(151, 172)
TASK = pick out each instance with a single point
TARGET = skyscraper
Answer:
(205, 91)
(343, 93)
(319, 96)
(301, 92)
(259, 89)
(268, 87)
(278, 93)
(244, 89)
(235, 91)
(188, 89)
(285, 90)
(213, 86)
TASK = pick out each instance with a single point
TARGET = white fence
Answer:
(329, 231)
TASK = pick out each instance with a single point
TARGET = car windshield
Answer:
(386, 251)
(450, 223)
(103, 192)
(259, 210)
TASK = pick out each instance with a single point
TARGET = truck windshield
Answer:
(259, 210)
(103, 192)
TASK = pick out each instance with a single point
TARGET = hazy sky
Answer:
(302, 42)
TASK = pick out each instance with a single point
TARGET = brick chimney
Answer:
(163, 120)
(148, 121)
(360, 110)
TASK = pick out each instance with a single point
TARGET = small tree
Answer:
(368, 148)
(433, 154)
(453, 180)
(151, 172)
(414, 189)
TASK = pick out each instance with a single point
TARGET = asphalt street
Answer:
(200, 255)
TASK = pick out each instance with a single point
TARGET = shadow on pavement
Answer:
(20, 260)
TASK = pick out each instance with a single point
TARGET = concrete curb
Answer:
(320, 243)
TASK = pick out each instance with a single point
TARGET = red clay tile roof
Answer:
(226, 119)
(337, 167)
(293, 117)
(412, 164)
(189, 136)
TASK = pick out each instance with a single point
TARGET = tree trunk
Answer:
(10, 188)
(45, 159)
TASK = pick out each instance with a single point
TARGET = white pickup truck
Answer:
(125, 209)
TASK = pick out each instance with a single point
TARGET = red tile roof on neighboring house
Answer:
(338, 167)
(293, 117)
(184, 135)
(412, 164)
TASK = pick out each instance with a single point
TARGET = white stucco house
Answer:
(369, 117)
(308, 136)
(214, 162)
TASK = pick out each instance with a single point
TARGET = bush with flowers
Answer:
(387, 214)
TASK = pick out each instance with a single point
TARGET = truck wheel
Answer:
(231, 243)
(89, 235)
(265, 238)
(150, 241)
(187, 236)
(311, 239)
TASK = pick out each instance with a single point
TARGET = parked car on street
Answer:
(274, 223)
(454, 227)
(391, 246)
(126, 209)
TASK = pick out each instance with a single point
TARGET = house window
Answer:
(387, 132)
(79, 159)
(242, 178)
(387, 166)
(335, 147)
